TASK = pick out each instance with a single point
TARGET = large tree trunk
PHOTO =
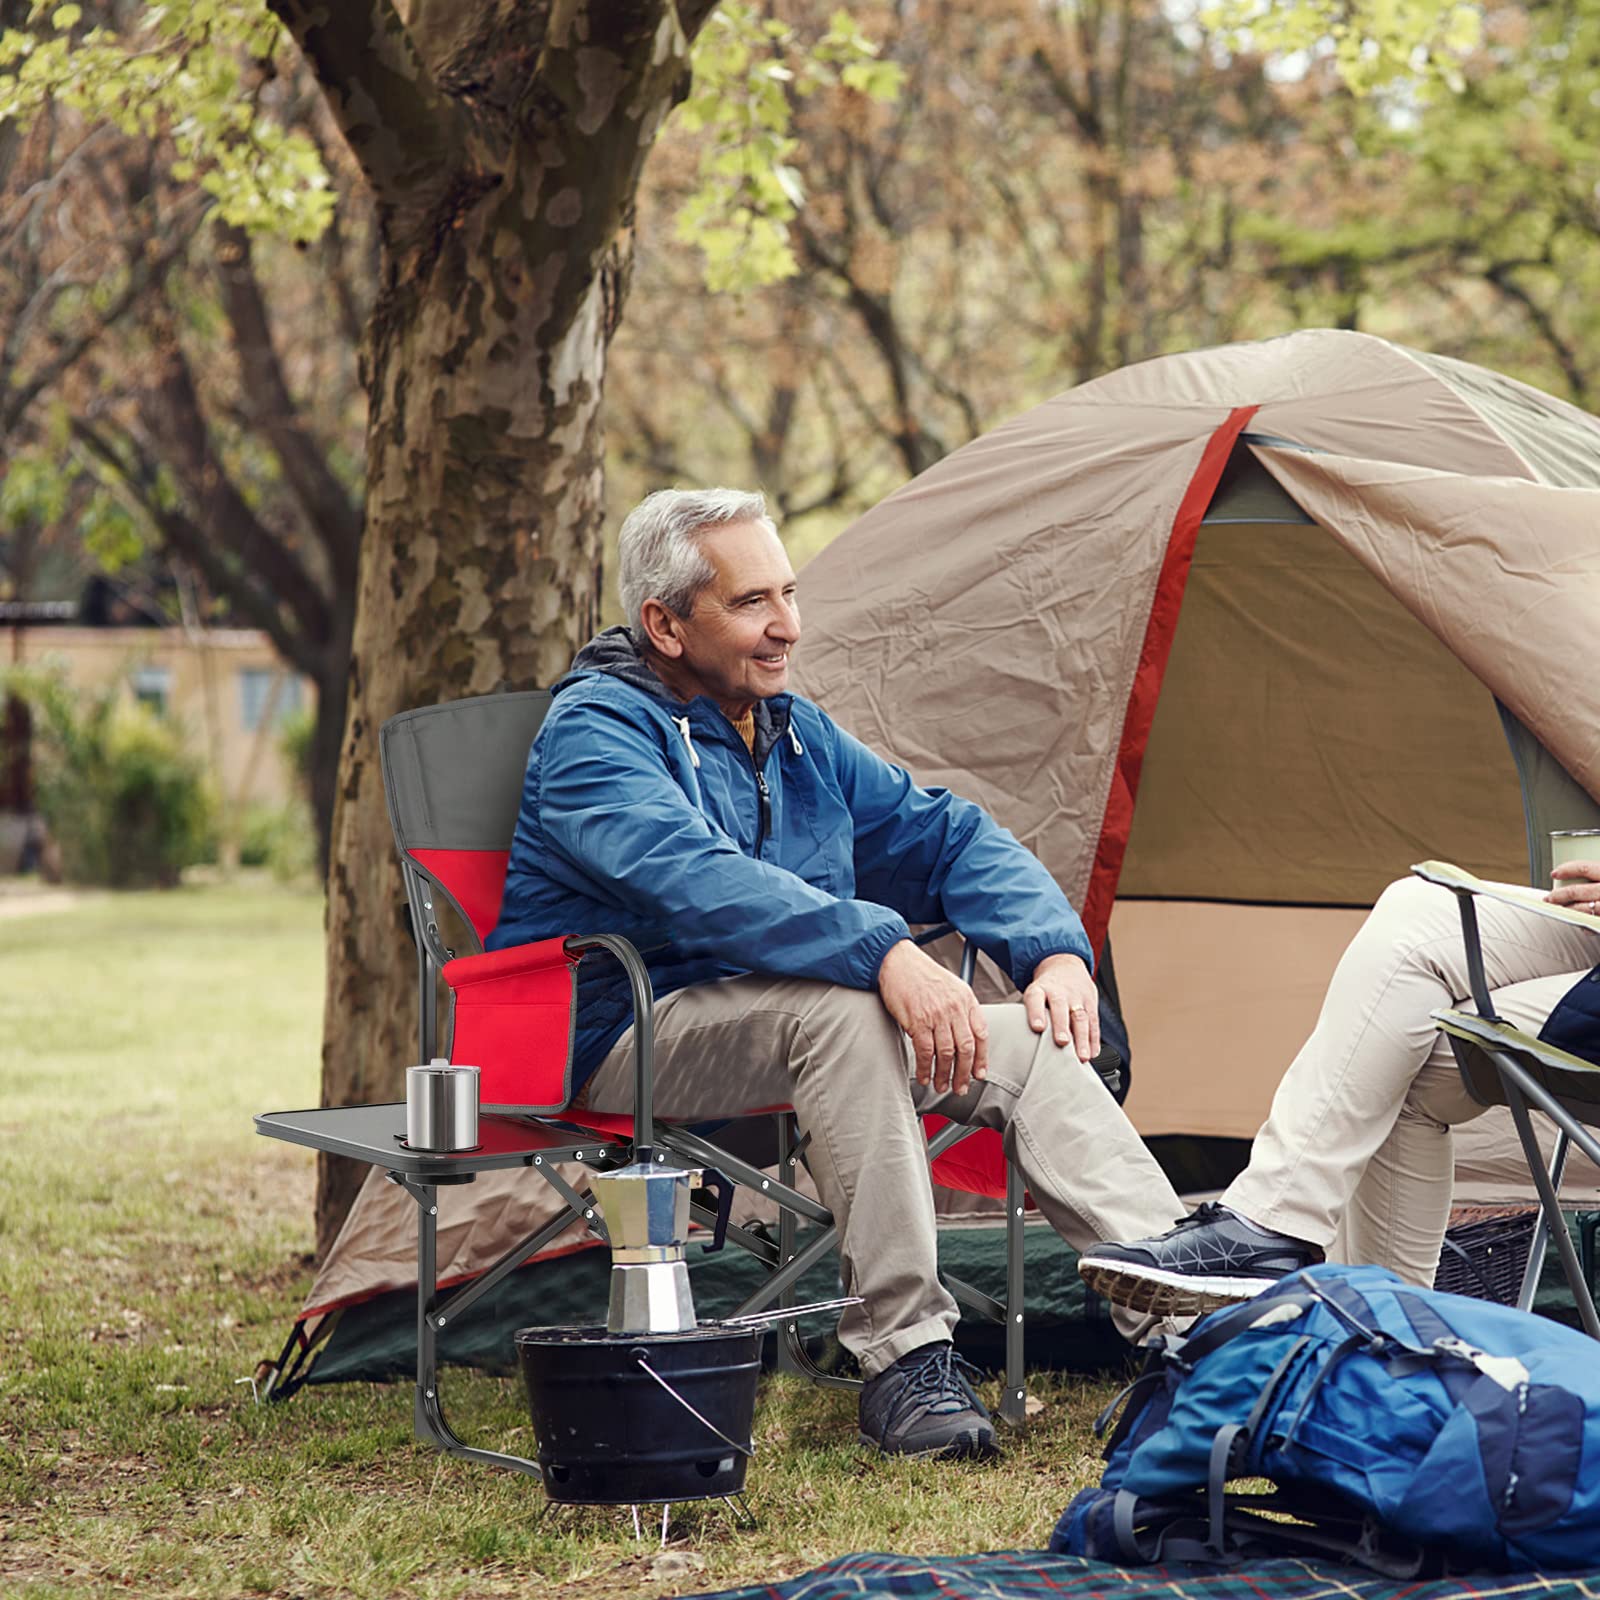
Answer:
(504, 144)
(449, 603)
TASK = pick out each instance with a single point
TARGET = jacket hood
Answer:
(616, 653)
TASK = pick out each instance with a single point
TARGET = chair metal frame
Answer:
(786, 1259)
(1502, 1065)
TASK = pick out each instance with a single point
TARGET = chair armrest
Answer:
(1498, 1034)
(1525, 896)
(1465, 886)
(498, 965)
(493, 989)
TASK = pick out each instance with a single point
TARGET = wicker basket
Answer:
(1486, 1251)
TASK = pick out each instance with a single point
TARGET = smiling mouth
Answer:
(774, 661)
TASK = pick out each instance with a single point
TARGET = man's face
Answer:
(736, 640)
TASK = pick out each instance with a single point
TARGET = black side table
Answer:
(376, 1134)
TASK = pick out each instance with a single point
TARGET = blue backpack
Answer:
(1406, 1430)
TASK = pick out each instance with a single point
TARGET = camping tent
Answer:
(1221, 637)
(1217, 637)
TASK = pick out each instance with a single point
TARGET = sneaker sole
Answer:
(1161, 1293)
(966, 1448)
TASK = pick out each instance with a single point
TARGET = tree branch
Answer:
(917, 447)
(1566, 357)
(192, 542)
(147, 268)
(328, 507)
(218, 506)
(408, 138)
(605, 79)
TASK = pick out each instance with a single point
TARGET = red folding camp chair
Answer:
(453, 777)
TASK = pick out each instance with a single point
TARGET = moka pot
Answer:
(646, 1211)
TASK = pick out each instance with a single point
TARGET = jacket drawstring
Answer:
(683, 728)
(794, 739)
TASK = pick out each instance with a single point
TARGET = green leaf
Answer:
(175, 74)
(746, 69)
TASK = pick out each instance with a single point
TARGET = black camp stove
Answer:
(626, 1418)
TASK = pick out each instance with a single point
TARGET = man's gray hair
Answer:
(658, 557)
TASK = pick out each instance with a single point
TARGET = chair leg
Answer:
(1014, 1401)
(791, 1354)
(1541, 1228)
(1551, 1205)
(791, 1351)
(428, 1417)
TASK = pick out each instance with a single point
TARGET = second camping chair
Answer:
(1501, 1065)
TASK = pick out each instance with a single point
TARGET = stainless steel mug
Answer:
(441, 1106)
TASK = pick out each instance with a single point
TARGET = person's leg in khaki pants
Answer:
(840, 1060)
(1356, 1154)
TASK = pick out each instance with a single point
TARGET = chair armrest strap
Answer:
(1501, 1035)
(1448, 876)
(504, 1004)
(519, 959)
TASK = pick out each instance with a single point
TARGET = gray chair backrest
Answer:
(452, 773)
(1552, 799)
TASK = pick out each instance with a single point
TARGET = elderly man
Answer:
(767, 864)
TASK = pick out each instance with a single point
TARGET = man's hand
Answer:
(1577, 886)
(939, 1014)
(1063, 996)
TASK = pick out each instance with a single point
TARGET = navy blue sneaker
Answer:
(1214, 1257)
(923, 1405)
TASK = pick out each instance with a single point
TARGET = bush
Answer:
(280, 838)
(295, 734)
(126, 803)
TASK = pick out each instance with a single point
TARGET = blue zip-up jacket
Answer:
(649, 817)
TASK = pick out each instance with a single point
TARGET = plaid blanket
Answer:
(1031, 1575)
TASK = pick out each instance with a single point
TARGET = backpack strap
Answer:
(1133, 1399)
(1177, 1531)
(1452, 1368)
(1221, 1326)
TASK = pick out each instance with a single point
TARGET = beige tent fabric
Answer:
(376, 1249)
(1222, 996)
(967, 626)
(1565, 454)
(1282, 765)
(1326, 388)
(990, 663)
(1507, 574)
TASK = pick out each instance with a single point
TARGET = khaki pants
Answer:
(1356, 1153)
(839, 1059)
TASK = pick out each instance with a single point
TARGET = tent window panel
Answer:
(1312, 739)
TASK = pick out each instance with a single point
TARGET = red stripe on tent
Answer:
(1157, 647)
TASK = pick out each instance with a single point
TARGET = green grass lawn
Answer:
(153, 1249)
